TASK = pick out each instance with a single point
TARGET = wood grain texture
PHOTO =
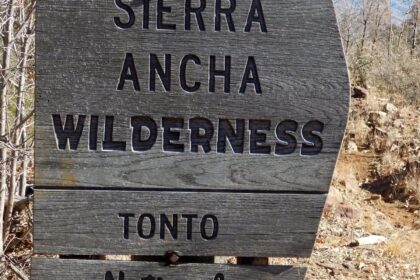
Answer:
(53, 269)
(79, 56)
(249, 224)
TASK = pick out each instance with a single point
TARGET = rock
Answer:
(377, 118)
(368, 240)
(352, 147)
(349, 265)
(390, 108)
(359, 92)
(347, 211)
(335, 204)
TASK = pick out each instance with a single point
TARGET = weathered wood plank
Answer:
(248, 224)
(80, 53)
(53, 269)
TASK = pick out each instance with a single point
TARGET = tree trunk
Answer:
(362, 44)
(17, 135)
(25, 164)
(390, 31)
(414, 38)
(7, 50)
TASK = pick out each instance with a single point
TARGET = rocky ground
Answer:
(374, 194)
(352, 213)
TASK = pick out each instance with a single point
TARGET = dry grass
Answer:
(393, 249)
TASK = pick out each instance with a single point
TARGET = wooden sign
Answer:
(192, 223)
(202, 127)
(114, 270)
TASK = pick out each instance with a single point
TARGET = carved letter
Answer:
(68, 132)
(130, 13)
(125, 75)
(256, 7)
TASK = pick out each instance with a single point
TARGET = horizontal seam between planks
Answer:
(180, 190)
